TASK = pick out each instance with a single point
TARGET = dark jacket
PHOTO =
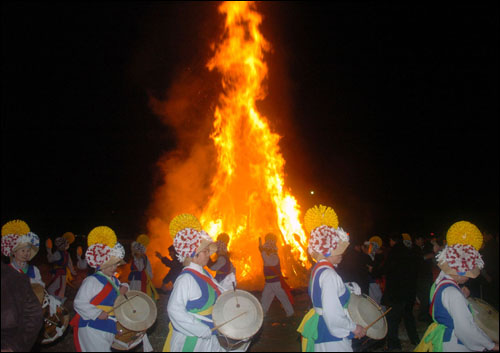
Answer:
(400, 269)
(22, 316)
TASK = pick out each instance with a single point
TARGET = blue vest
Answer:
(441, 315)
(324, 334)
(107, 325)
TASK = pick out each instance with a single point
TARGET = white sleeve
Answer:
(466, 329)
(89, 289)
(38, 277)
(270, 260)
(185, 289)
(53, 256)
(338, 322)
(221, 261)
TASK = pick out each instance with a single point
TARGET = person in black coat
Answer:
(400, 269)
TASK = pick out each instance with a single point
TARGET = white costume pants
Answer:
(270, 291)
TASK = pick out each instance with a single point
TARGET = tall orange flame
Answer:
(247, 197)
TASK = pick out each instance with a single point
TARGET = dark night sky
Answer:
(388, 113)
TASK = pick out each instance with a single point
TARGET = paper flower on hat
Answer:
(184, 221)
(102, 246)
(320, 215)
(97, 254)
(462, 259)
(16, 233)
(16, 226)
(143, 239)
(186, 243)
(325, 240)
(464, 232)
(70, 237)
(102, 235)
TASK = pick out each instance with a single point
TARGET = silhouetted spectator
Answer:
(401, 272)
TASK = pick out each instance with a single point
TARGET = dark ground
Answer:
(278, 333)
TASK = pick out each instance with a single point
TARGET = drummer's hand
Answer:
(123, 289)
(466, 291)
(359, 332)
(103, 316)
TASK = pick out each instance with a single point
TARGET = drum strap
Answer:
(207, 279)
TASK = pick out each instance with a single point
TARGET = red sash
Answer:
(96, 301)
(206, 279)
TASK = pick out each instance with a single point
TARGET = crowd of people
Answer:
(396, 271)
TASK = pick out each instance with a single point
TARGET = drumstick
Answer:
(237, 316)
(381, 316)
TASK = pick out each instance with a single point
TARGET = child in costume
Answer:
(195, 290)
(275, 282)
(21, 246)
(454, 329)
(94, 325)
(62, 262)
(327, 327)
(141, 274)
(223, 267)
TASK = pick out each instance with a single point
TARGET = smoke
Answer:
(186, 171)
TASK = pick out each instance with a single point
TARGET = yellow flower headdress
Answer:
(70, 237)
(184, 221)
(320, 215)
(143, 239)
(465, 233)
(16, 226)
(102, 235)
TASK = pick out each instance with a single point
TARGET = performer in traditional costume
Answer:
(223, 267)
(407, 240)
(276, 285)
(374, 250)
(195, 290)
(454, 329)
(21, 246)
(327, 327)
(141, 274)
(62, 262)
(94, 325)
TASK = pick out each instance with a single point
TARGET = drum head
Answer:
(363, 311)
(485, 316)
(233, 303)
(136, 311)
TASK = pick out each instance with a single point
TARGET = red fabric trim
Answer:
(442, 283)
(144, 281)
(206, 279)
(96, 301)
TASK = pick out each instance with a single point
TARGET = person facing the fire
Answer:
(94, 325)
(327, 327)
(21, 246)
(275, 282)
(454, 329)
(141, 274)
(223, 267)
(195, 291)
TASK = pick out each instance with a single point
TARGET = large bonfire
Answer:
(245, 194)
